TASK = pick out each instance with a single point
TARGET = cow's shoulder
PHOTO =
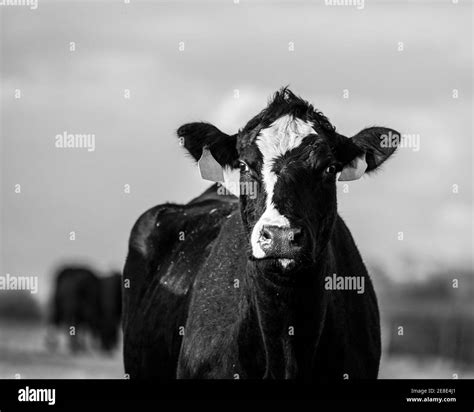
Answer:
(169, 223)
(171, 241)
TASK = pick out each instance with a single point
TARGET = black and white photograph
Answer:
(236, 199)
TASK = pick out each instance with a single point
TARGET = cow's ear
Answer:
(212, 149)
(196, 136)
(368, 150)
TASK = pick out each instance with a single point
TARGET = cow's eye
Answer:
(244, 167)
(331, 170)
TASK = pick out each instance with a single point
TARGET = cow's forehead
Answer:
(284, 134)
(281, 136)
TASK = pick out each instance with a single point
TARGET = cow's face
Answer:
(292, 169)
(285, 163)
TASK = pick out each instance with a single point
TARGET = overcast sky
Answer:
(399, 62)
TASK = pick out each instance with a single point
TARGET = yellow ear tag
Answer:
(354, 171)
(209, 168)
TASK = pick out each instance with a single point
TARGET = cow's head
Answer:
(287, 160)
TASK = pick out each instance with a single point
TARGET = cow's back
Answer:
(168, 245)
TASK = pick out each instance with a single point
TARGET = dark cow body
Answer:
(75, 304)
(110, 311)
(217, 290)
(162, 270)
(89, 303)
(228, 329)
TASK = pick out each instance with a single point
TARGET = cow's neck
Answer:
(287, 320)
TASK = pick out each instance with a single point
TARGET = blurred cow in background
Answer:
(86, 306)
(110, 310)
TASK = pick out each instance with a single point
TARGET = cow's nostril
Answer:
(296, 237)
(266, 234)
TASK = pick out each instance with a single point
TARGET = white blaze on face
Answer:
(283, 135)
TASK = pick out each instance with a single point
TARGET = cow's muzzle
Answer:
(281, 242)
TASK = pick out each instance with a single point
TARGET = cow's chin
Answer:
(285, 266)
(279, 272)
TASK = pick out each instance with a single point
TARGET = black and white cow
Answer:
(90, 303)
(227, 287)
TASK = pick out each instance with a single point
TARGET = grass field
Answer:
(23, 353)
